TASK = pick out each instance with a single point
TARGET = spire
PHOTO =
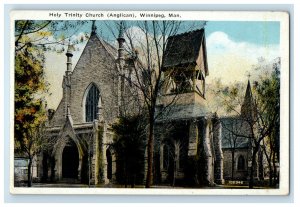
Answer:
(121, 41)
(94, 28)
(247, 109)
(121, 31)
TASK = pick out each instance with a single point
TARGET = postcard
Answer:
(149, 102)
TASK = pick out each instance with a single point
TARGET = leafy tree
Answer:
(32, 38)
(29, 108)
(268, 91)
(129, 144)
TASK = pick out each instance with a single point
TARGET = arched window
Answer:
(91, 104)
(241, 163)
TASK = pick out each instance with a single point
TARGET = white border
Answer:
(283, 17)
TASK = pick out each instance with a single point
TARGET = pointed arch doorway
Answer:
(70, 160)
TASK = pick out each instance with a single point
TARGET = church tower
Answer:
(185, 62)
(196, 129)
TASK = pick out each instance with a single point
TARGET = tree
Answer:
(148, 49)
(129, 145)
(259, 111)
(232, 127)
(268, 90)
(29, 108)
(32, 38)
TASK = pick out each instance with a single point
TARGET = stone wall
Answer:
(96, 65)
(238, 174)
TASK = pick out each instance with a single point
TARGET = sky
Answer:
(233, 49)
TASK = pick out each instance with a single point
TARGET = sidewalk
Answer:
(68, 185)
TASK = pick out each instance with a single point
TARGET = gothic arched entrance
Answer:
(70, 160)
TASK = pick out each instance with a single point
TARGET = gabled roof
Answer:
(184, 49)
(231, 127)
(111, 49)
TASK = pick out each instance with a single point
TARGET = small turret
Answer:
(121, 41)
(69, 55)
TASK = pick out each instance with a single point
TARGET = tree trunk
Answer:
(174, 172)
(232, 164)
(251, 181)
(29, 181)
(150, 152)
(275, 176)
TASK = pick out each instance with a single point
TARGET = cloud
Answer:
(230, 60)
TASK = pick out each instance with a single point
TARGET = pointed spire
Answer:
(94, 28)
(247, 109)
(121, 41)
(248, 94)
(121, 30)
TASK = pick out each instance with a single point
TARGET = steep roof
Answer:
(111, 49)
(248, 108)
(184, 49)
(231, 127)
(176, 112)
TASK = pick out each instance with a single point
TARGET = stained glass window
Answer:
(91, 105)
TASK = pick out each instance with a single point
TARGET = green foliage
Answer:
(32, 39)
(268, 93)
(47, 35)
(264, 124)
(29, 106)
(129, 144)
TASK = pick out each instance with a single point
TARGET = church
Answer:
(188, 153)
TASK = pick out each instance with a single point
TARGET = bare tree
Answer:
(259, 111)
(232, 127)
(146, 44)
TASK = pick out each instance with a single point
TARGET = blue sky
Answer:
(253, 32)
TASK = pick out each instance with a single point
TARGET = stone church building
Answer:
(237, 148)
(187, 136)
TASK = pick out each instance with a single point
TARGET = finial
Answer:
(121, 31)
(94, 28)
(249, 75)
(70, 50)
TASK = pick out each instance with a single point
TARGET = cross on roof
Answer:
(249, 75)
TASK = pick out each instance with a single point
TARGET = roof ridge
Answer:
(192, 31)
(106, 45)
